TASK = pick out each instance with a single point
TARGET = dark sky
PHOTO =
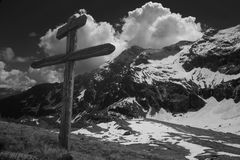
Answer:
(18, 18)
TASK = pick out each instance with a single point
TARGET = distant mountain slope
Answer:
(221, 116)
(139, 82)
(35, 101)
(6, 92)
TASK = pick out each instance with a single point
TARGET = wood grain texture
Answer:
(73, 25)
(48, 61)
(70, 29)
(90, 52)
(66, 116)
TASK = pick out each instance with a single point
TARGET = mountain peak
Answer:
(178, 78)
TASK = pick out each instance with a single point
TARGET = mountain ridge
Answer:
(177, 78)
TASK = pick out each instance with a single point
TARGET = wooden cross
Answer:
(70, 30)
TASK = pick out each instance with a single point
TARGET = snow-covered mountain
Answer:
(181, 83)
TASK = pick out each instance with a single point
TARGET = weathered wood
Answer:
(48, 61)
(70, 30)
(66, 117)
(73, 25)
(95, 51)
(100, 50)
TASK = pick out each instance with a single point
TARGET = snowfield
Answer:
(158, 134)
(155, 130)
(171, 68)
(221, 116)
(192, 131)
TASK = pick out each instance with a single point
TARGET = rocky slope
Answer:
(177, 78)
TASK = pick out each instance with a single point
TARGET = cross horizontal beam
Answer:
(73, 25)
(95, 51)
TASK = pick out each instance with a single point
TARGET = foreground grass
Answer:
(43, 144)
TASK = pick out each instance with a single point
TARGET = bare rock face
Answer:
(140, 81)
(217, 52)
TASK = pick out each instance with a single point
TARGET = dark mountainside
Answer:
(138, 81)
(6, 92)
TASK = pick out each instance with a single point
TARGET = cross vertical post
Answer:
(70, 30)
(66, 117)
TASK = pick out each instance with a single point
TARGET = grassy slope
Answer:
(43, 144)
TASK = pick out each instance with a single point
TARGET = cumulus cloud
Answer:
(7, 55)
(51, 45)
(15, 79)
(154, 26)
(46, 74)
(151, 26)
(22, 80)
(91, 34)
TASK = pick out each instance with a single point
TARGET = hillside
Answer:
(175, 142)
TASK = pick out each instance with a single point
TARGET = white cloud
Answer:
(154, 26)
(20, 80)
(46, 74)
(15, 79)
(151, 26)
(51, 44)
(91, 34)
(8, 55)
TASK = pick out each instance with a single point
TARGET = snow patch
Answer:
(170, 69)
(207, 78)
(193, 148)
(228, 154)
(146, 132)
(226, 40)
(221, 116)
(81, 95)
